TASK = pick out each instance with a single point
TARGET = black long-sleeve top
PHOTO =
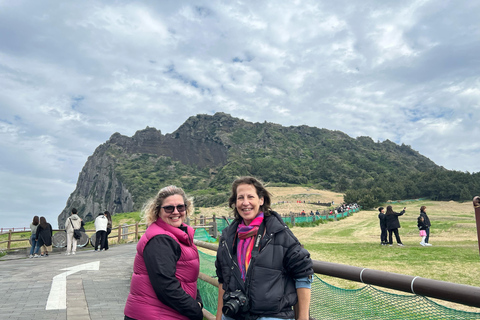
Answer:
(45, 234)
(161, 255)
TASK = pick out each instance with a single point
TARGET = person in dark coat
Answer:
(393, 225)
(44, 237)
(109, 227)
(383, 226)
(426, 222)
(260, 261)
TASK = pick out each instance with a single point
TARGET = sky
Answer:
(72, 73)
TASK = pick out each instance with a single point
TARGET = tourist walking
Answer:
(383, 226)
(44, 237)
(33, 238)
(426, 221)
(167, 265)
(393, 225)
(259, 260)
(73, 222)
(101, 223)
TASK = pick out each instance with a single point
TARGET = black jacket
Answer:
(421, 223)
(383, 220)
(392, 220)
(280, 260)
(44, 234)
(426, 220)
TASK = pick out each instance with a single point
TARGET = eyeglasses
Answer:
(180, 208)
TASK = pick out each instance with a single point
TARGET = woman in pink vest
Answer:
(166, 267)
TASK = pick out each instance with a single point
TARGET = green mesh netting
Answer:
(222, 224)
(330, 302)
(201, 234)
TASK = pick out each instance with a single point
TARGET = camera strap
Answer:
(258, 237)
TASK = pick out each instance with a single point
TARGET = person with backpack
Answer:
(73, 222)
(427, 225)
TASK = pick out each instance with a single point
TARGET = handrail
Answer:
(447, 291)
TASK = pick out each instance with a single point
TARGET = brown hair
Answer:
(43, 222)
(422, 208)
(36, 221)
(153, 206)
(261, 193)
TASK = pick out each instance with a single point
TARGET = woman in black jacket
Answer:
(44, 236)
(393, 225)
(426, 222)
(262, 269)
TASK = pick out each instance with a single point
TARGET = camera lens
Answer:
(231, 308)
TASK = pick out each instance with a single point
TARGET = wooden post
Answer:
(215, 229)
(136, 231)
(476, 206)
(119, 234)
(9, 239)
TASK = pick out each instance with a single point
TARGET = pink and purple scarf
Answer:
(246, 234)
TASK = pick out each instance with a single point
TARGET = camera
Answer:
(234, 303)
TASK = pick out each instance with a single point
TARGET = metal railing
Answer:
(447, 291)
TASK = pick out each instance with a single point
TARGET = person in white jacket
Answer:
(101, 223)
(73, 222)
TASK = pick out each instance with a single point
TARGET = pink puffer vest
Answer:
(142, 302)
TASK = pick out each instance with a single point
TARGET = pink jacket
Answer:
(142, 302)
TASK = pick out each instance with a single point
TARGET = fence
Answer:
(209, 228)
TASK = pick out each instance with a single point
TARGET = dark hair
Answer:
(261, 193)
(43, 222)
(35, 221)
(74, 211)
(422, 208)
(109, 217)
(380, 209)
(389, 210)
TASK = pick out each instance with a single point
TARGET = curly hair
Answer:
(151, 209)
(261, 193)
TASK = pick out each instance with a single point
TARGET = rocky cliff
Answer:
(207, 152)
(99, 187)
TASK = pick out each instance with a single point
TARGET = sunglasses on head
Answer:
(180, 208)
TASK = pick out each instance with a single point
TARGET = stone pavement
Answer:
(30, 291)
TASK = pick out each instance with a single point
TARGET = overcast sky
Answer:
(72, 73)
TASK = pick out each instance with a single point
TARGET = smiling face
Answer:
(248, 203)
(175, 218)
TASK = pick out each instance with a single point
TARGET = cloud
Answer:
(74, 73)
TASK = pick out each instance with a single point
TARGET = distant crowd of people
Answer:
(41, 238)
(340, 209)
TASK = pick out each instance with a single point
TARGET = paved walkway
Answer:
(88, 285)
